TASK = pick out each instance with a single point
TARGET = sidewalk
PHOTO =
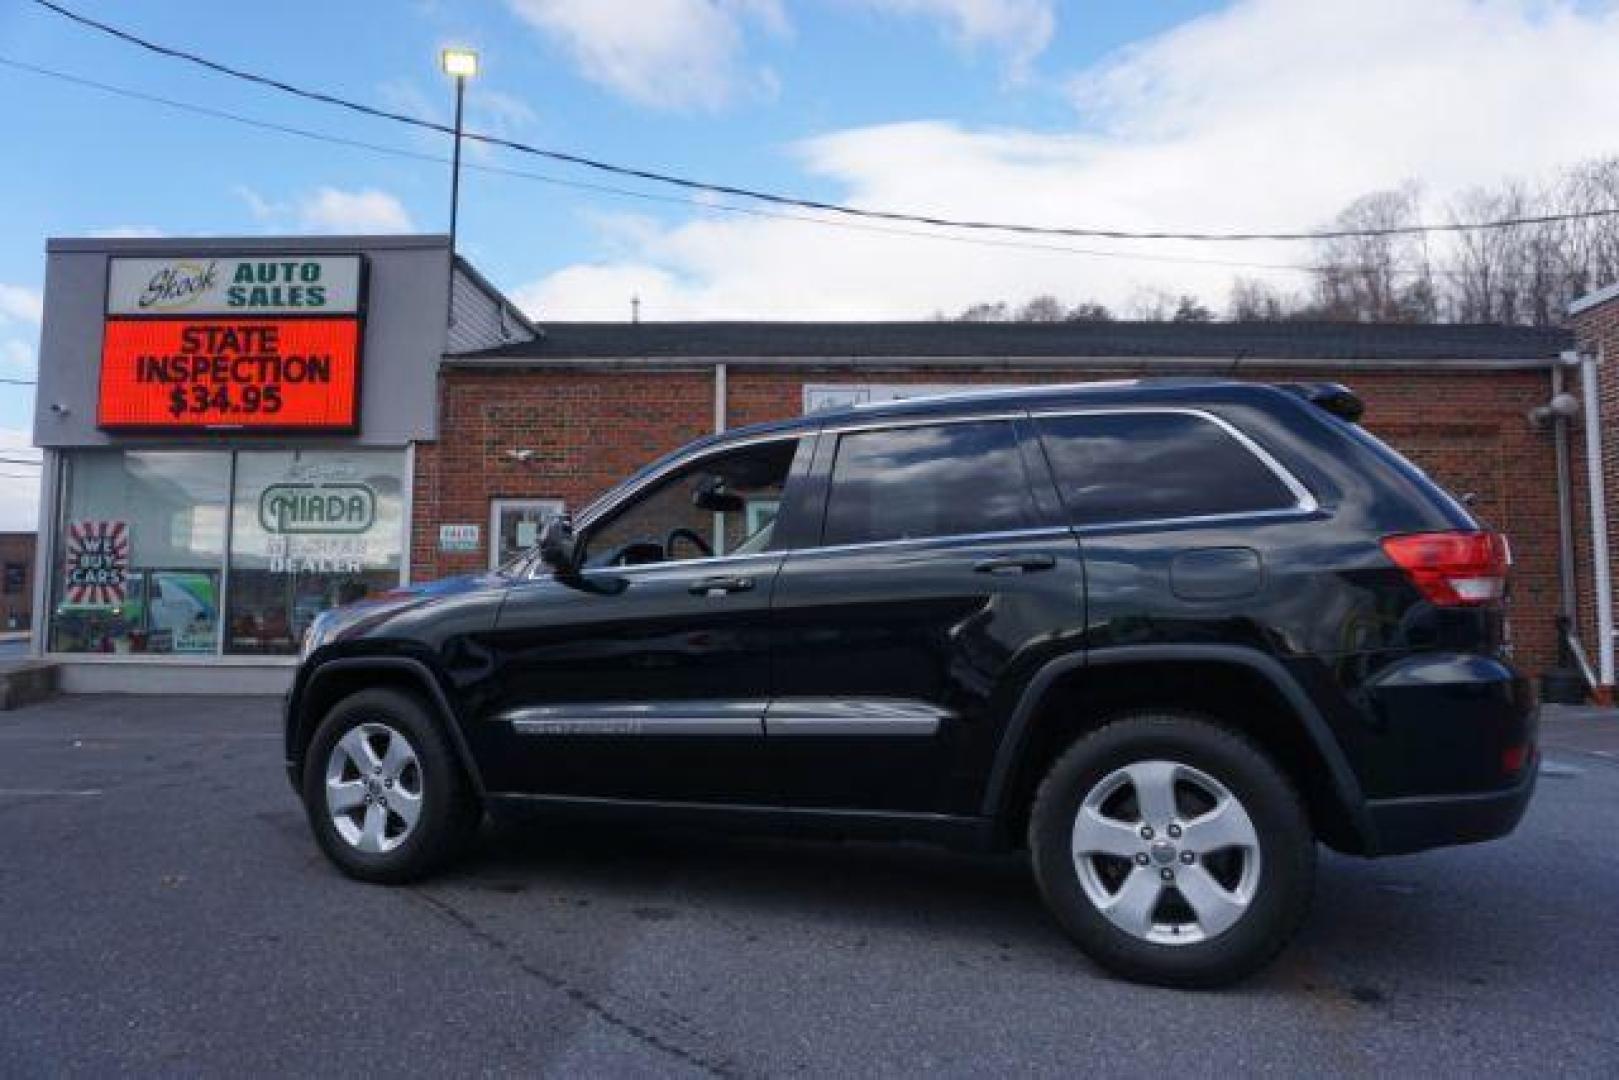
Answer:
(1582, 728)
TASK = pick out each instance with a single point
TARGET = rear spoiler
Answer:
(1335, 398)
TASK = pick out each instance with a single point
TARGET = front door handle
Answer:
(1014, 564)
(719, 586)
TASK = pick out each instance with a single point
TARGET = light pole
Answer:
(461, 65)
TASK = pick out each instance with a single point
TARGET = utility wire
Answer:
(18, 382)
(20, 461)
(678, 200)
(608, 189)
(789, 200)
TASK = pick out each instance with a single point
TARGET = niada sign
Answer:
(232, 285)
(289, 509)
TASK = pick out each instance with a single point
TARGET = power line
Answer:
(20, 461)
(18, 382)
(695, 203)
(789, 200)
(608, 189)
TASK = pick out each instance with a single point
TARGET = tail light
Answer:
(1453, 569)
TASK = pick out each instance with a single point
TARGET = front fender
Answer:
(314, 687)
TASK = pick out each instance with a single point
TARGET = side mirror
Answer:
(712, 495)
(557, 547)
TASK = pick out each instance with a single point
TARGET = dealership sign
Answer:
(317, 508)
(232, 343)
(258, 285)
(97, 563)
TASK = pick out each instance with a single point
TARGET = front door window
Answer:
(724, 504)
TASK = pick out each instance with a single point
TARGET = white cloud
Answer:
(19, 484)
(1269, 115)
(1020, 30)
(129, 232)
(675, 54)
(21, 304)
(329, 210)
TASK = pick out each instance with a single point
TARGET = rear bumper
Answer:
(1404, 825)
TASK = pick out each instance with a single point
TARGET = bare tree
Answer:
(1041, 309)
(1253, 300)
(985, 312)
(1381, 276)
(1189, 309)
(1089, 311)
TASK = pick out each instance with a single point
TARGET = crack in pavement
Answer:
(592, 1004)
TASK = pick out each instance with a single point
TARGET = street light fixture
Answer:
(461, 65)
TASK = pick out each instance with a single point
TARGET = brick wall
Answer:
(1596, 328)
(590, 428)
(16, 603)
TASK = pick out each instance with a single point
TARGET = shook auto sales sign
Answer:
(231, 343)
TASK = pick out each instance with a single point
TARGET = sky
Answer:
(1249, 115)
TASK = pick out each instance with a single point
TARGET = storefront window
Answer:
(515, 525)
(145, 536)
(140, 551)
(310, 530)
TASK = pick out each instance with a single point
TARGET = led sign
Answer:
(258, 342)
(230, 373)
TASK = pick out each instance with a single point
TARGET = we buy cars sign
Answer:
(231, 343)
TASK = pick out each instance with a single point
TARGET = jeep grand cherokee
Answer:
(1165, 635)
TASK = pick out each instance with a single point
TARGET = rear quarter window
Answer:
(1156, 466)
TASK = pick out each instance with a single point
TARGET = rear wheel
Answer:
(384, 794)
(1172, 850)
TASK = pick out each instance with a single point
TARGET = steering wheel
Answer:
(683, 533)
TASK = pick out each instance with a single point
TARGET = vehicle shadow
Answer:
(964, 901)
(885, 885)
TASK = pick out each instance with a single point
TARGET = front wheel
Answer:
(384, 794)
(1174, 851)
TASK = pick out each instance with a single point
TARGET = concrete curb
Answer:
(24, 682)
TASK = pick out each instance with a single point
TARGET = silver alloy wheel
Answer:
(1180, 866)
(374, 788)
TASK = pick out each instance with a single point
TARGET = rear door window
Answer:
(1155, 466)
(925, 481)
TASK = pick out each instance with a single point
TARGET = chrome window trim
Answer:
(671, 565)
(1044, 532)
(1297, 513)
(1304, 501)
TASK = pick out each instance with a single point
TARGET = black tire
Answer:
(449, 809)
(1278, 898)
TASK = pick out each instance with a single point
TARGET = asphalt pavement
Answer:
(164, 910)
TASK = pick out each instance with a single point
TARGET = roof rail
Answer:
(999, 391)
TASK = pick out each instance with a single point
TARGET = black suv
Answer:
(1166, 635)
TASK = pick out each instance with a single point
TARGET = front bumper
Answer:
(1401, 826)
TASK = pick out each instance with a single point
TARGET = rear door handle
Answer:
(1014, 564)
(719, 586)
